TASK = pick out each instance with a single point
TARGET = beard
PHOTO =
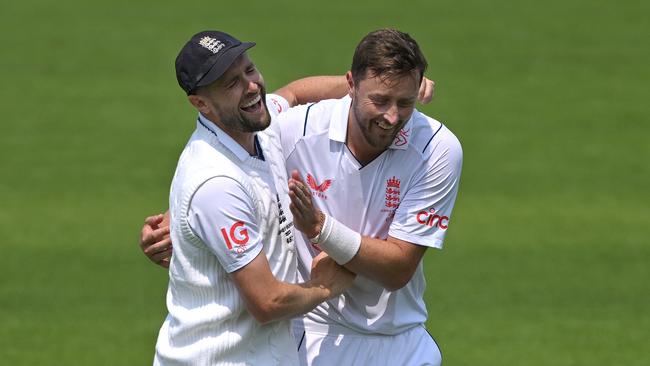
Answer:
(240, 121)
(376, 139)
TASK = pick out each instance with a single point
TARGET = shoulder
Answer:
(276, 104)
(432, 139)
(201, 162)
(308, 116)
(227, 190)
(306, 120)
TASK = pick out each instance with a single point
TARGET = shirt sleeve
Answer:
(222, 215)
(424, 215)
(276, 104)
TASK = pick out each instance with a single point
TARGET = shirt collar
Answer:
(224, 138)
(339, 120)
(339, 125)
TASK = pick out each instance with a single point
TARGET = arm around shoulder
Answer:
(313, 89)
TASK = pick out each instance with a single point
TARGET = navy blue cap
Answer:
(205, 57)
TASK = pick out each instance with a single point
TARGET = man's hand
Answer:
(425, 94)
(155, 241)
(326, 273)
(306, 217)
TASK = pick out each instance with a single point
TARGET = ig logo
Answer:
(240, 238)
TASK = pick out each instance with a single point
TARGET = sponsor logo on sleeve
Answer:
(237, 235)
(318, 190)
(431, 218)
(278, 106)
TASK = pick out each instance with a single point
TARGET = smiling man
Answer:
(393, 176)
(231, 289)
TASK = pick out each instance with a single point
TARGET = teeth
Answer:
(384, 126)
(252, 102)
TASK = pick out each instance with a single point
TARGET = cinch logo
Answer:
(429, 218)
(240, 238)
(318, 189)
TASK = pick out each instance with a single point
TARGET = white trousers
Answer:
(320, 344)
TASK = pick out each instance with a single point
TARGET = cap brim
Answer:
(223, 63)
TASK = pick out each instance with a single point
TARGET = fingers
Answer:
(160, 246)
(426, 91)
(162, 258)
(296, 176)
(299, 197)
(300, 189)
(164, 263)
(150, 237)
(297, 213)
(154, 220)
(320, 256)
(155, 241)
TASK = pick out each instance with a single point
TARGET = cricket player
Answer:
(231, 277)
(381, 181)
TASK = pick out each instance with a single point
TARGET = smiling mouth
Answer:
(385, 126)
(254, 105)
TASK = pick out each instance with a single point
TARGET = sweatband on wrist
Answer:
(338, 241)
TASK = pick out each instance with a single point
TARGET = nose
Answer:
(253, 85)
(391, 115)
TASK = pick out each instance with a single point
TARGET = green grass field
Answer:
(548, 258)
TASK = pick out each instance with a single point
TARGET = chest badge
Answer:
(317, 189)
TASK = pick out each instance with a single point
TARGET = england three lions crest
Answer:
(392, 193)
(392, 197)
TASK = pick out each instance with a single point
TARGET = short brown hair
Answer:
(387, 53)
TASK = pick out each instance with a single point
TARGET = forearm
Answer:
(269, 299)
(288, 301)
(387, 262)
(390, 262)
(313, 89)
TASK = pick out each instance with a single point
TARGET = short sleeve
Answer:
(424, 215)
(276, 104)
(222, 215)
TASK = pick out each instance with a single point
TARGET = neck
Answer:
(245, 139)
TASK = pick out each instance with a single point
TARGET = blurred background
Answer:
(546, 262)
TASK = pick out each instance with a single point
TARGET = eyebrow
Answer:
(383, 96)
(228, 80)
(378, 95)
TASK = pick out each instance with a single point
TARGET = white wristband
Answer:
(338, 241)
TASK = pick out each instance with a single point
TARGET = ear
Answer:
(200, 103)
(350, 80)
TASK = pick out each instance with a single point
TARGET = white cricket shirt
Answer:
(226, 207)
(408, 192)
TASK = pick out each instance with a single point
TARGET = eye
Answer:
(232, 84)
(250, 69)
(379, 101)
(406, 103)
